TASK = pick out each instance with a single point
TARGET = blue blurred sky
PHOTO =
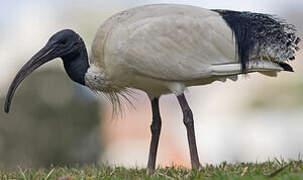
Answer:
(11, 10)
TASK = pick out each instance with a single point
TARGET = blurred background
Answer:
(55, 121)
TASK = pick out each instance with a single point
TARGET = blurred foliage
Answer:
(52, 121)
(286, 95)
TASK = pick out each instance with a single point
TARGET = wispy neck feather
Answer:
(76, 65)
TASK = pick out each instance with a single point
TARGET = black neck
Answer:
(76, 64)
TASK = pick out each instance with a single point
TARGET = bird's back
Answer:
(180, 41)
(136, 17)
(189, 44)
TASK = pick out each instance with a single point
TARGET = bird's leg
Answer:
(155, 130)
(189, 123)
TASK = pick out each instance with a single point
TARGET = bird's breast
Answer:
(97, 80)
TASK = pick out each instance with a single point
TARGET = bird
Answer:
(165, 48)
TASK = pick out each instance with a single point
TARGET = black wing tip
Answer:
(286, 67)
(298, 40)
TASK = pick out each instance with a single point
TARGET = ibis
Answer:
(165, 48)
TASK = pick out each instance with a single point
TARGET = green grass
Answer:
(279, 170)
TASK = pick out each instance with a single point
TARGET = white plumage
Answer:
(163, 48)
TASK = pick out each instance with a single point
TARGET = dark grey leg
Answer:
(189, 123)
(155, 130)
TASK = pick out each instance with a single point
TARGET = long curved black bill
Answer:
(43, 56)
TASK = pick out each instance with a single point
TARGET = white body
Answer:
(163, 49)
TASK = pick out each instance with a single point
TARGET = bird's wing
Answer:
(181, 44)
(170, 42)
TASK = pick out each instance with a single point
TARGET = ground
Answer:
(276, 169)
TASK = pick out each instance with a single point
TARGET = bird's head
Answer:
(65, 44)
